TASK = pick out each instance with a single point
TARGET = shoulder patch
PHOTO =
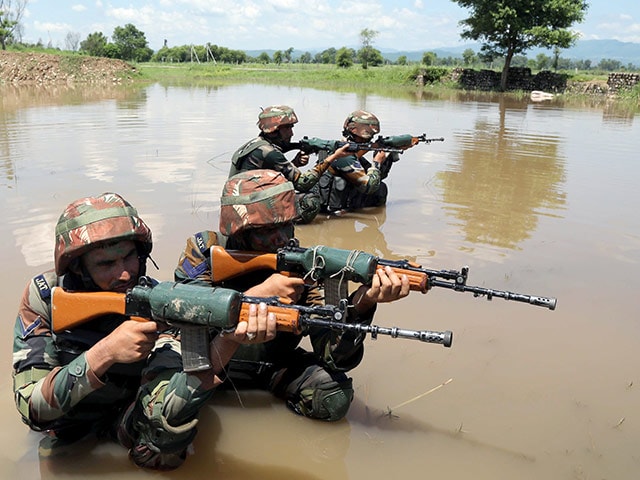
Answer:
(43, 287)
(202, 244)
(192, 271)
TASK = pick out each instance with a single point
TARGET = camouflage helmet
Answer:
(91, 220)
(256, 199)
(361, 123)
(272, 118)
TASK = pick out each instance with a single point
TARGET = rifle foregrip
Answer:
(287, 319)
(417, 280)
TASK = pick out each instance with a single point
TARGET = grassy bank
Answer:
(388, 80)
(308, 75)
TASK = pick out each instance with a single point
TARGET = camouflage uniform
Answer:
(353, 182)
(313, 384)
(267, 152)
(56, 391)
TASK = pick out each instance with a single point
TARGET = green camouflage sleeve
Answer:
(44, 390)
(168, 392)
(269, 157)
(351, 169)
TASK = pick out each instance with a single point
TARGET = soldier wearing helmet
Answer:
(258, 210)
(352, 182)
(111, 377)
(267, 151)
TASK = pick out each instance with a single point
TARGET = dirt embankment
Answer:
(43, 68)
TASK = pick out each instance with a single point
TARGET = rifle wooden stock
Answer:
(225, 266)
(70, 309)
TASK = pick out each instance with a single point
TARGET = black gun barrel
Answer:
(548, 302)
(443, 338)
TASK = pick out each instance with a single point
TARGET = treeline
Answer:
(129, 43)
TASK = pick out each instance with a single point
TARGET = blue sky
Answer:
(279, 24)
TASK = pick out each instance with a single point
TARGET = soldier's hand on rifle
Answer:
(380, 157)
(343, 151)
(301, 159)
(130, 342)
(385, 287)
(414, 142)
(279, 285)
(259, 328)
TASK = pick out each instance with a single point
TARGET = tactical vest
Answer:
(237, 161)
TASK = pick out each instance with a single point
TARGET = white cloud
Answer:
(51, 27)
(78, 8)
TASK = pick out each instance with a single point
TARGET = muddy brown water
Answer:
(536, 198)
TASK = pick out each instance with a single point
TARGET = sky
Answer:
(412, 25)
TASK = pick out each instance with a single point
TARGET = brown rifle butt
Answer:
(226, 264)
(69, 309)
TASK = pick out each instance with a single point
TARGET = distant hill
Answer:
(594, 50)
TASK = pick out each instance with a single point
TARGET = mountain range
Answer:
(594, 50)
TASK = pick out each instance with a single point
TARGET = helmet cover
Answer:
(256, 199)
(361, 123)
(92, 220)
(272, 118)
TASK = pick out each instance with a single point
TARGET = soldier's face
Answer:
(286, 133)
(114, 267)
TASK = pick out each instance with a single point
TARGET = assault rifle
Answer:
(320, 263)
(195, 309)
(393, 144)
(316, 145)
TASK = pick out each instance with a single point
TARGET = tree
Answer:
(344, 57)
(94, 44)
(506, 28)
(373, 57)
(326, 56)
(264, 58)
(277, 57)
(305, 57)
(366, 40)
(402, 60)
(429, 58)
(131, 43)
(11, 12)
(71, 41)
(469, 57)
(287, 54)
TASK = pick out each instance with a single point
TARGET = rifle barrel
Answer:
(548, 302)
(443, 338)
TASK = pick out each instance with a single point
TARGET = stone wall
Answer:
(518, 79)
(622, 81)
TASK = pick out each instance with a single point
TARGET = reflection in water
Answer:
(356, 230)
(504, 178)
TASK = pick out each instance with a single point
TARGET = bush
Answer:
(430, 74)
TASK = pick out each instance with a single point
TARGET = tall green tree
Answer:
(366, 53)
(344, 57)
(11, 12)
(507, 27)
(131, 43)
